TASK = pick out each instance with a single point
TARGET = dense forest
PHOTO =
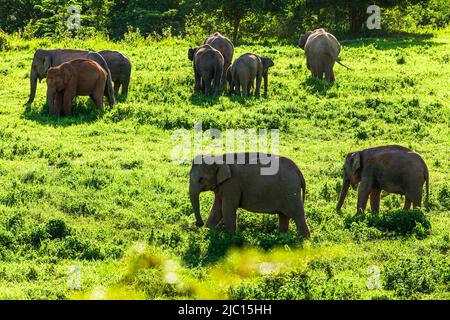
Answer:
(255, 19)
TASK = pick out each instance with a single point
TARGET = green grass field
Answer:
(92, 207)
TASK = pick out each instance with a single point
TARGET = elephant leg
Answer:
(117, 86)
(296, 211)
(229, 208)
(258, 83)
(284, 223)
(407, 205)
(237, 87)
(207, 84)
(98, 100)
(416, 199)
(244, 89)
(215, 216)
(375, 197)
(198, 82)
(125, 87)
(364, 191)
(68, 103)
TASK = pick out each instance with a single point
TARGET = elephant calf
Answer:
(238, 180)
(208, 66)
(245, 70)
(80, 77)
(392, 168)
(120, 67)
(321, 50)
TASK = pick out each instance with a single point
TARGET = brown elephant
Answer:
(392, 168)
(245, 70)
(225, 47)
(256, 182)
(79, 77)
(321, 50)
(120, 67)
(44, 59)
(208, 67)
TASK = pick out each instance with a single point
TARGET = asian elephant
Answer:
(321, 50)
(120, 67)
(44, 59)
(245, 70)
(208, 66)
(79, 77)
(392, 168)
(256, 182)
(226, 48)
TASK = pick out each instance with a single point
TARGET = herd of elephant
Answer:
(239, 184)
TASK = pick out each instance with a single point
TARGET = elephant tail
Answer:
(338, 61)
(109, 89)
(336, 58)
(427, 187)
(303, 188)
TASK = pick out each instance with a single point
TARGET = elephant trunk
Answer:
(194, 194)
(343, 194)
(33, 85)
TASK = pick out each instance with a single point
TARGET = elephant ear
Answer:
(47, 61)
(267, 62)
(303, 38)
(223, 173)
(355, 161)
(191, 53)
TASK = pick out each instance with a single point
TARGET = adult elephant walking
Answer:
(322, 50)
(225, 47)
(120, 67)
(44, 59)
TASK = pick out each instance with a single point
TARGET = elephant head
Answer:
(205, 177)
(303, 38)
(57, 80)
(42, 60)
(352, 175)
(191, 53)
(267, 63)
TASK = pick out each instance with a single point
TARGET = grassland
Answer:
(92, 207)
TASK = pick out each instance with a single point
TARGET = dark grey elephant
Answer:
(239, 181)
(208, 67)
(245, 70)
(393, 168)
(120, 67)
(226, 48)
(321, 50)
(44, 59)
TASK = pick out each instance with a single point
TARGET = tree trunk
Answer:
(356, 20)
(236, 24)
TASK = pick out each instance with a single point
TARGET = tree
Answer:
(356, 9)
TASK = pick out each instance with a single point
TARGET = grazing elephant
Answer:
(245, 70)
(321, 50)
(238, 180)
(120, 67)
(226, 48)
(44, 59)
(208, 66)
(79, 77)
(392, 168)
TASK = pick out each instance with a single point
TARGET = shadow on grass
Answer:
(395, 223)
(220, 242)
(81, 113)
(200, 99)
(316, 86)
(393, 41)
